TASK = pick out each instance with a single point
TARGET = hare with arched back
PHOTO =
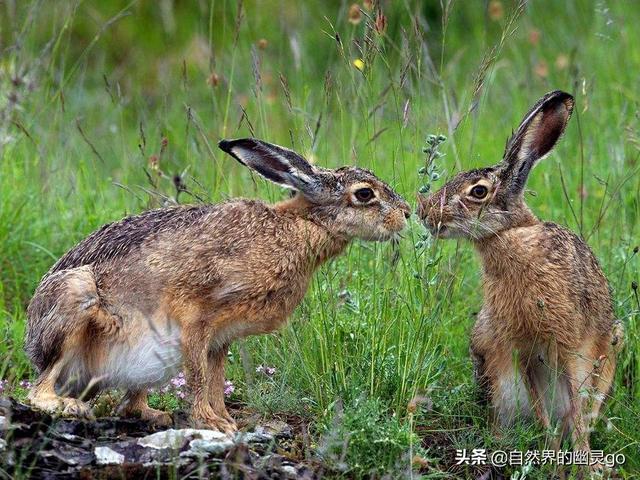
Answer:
(138, 297)
(546, 300)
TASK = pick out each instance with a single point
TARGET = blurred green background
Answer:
(109, 108)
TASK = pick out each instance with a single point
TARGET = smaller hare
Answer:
(546, 332)
(137, 298)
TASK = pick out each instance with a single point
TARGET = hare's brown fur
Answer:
(133, 300)
(545, 340)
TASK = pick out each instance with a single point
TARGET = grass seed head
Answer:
(381, 23)
(562, 61)
(355, 15)
(214, 79)
(496, 10)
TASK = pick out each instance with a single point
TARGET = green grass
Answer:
(89, 90)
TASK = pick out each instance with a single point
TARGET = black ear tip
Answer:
(225, 145)
(249, 143)
(563, 97)
(566, 97)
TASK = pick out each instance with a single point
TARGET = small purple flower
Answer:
(268, 371)
(25, 384)
(228, 388)
(181, 394)
(178, 382)
(3, 384)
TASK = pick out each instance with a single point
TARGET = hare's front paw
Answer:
(65, 406)
(157, 418)
(210, 420)
(73, 407)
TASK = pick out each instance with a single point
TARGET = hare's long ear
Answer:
(278, 164)
(536, 136)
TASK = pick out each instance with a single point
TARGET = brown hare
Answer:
(137, 298)
(545, 339)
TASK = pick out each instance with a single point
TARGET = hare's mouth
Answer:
(446, 231)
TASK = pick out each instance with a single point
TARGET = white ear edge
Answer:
(527, 141)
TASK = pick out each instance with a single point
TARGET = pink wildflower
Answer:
(228, 388)
(269, 371)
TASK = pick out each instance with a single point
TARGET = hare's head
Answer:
(480, 203)
(349, 201)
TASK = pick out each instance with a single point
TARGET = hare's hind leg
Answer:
(67, 327)
(602, 384)
(43, 395)
(591, 370)
(574, 420)
(134, 404)
(603, 356)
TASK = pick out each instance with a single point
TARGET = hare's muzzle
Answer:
(427, 210)
(395, 219)
(430, 212)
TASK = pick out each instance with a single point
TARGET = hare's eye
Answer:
(479, 191)
(364, 194)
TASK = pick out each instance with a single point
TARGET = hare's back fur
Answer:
(117, 240)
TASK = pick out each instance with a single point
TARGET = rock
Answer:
(275, 428)
(177, 439)
(254, 437)
(57, 453)
(201, 448)
(110, 447)
(290, 471)
(107, 456)
(6, 404)
(136, 454)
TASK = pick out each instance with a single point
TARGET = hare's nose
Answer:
(406, 210)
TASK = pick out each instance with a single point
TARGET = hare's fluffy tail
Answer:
(63, 305)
